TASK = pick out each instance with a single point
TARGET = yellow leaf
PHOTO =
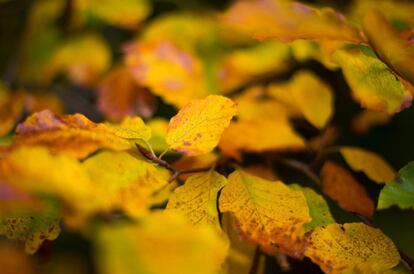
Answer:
(267, 213)
(76, 135)
(372, 82)
(126, 13)
(162, 243)
(342, 187)
(287, 21)
(389, 44)
(170, 72)
(259, 136)
(243, 65)
(83, 59)
(197, 127)
(312, 97)
(197, 198)
(192, 162)
(125, 181)
(372, 164)
(338, 248)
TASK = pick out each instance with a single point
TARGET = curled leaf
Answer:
(76, 135)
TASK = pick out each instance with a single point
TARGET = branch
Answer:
(302, 167)
(176, 172)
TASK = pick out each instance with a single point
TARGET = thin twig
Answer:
(302, 167)
(176, 172)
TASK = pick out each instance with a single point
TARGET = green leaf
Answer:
(399, 191)
(318, 208)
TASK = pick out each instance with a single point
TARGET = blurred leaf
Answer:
(126, 13)
(339, 248)
(306, 92)
(373, 84)
(76, 135)
(372, 164)
(197, 198)
(82, 58)
(287, 21)
(120, 96)
(192, 162)
(339, 185)
(160, 243)
(11, 107)
(318, 208)
(197, 127)
(13, 260)
(389, 44)
(400, 190)
(169, 71)
(267, 213)
(364, 121)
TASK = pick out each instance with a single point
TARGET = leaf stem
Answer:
(149, 154)
(302, 167)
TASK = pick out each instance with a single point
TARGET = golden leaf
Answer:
(306, 92)
(197, 127)
(76, 135)
(372, 164)
(161, 243)
(159, 127)
(338, 248)
(170, 72)
(268, 213)
(342, 187)
(197, 198)
(259, 136)
(287, 21)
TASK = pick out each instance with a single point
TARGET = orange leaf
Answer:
(342, 187)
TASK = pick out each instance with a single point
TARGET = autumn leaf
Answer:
(259, 136)
(400, 190)
(159, 127)
(197, 127)
(240, 66)
(76, 135)
(306, 92)
(287, 21)
(318, 208)
(119, 96)
(195, 162)
(13, 261)
(372, 82)
(197, 198)
(372, 164)
(339, 248)
(267, 213)
(172, 73)
(186, 249)
(127, 14)
(342, 187)
(396, 52)
(83, 59)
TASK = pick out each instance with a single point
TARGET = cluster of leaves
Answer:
(204, 191)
